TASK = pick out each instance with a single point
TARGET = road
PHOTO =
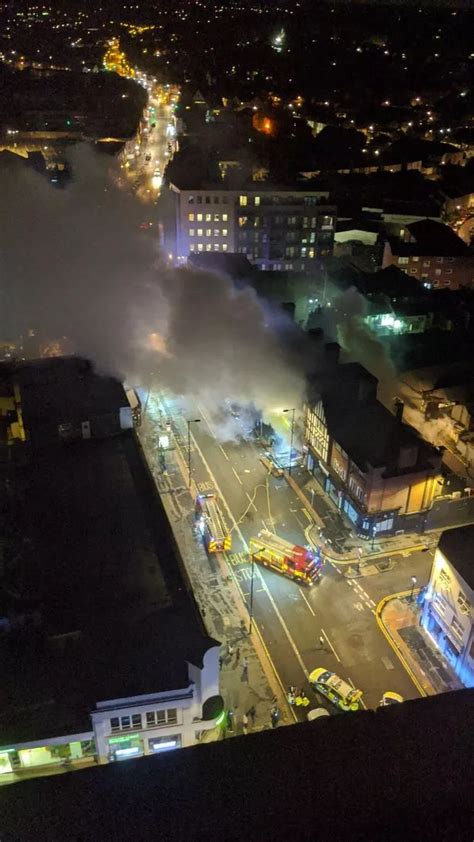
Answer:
(145, 156)
(289, 617)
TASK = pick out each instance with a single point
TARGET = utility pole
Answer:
(252, 556)
(191, 421)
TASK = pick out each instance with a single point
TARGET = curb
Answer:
(256, 639)
(378, 614)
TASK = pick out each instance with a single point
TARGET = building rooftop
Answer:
(59, 389)
(369, 433)
(431, 238)
(398, 774)
(458, 547)
(98, 601)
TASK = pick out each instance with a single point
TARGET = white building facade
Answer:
(449, 602)
(130, 727)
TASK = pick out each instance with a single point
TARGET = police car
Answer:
(338, 691)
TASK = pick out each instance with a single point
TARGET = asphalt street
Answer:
(291, 618)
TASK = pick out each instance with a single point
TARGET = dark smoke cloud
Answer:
(75, 263)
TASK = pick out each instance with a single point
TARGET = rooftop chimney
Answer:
(399, 407)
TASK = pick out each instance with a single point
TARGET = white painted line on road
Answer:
(368, 603)
(223, 451)
(236, 474)
(372, 602)
(307, 514)
(307, 602)
(258, 572)
(332, 647)
(265, 525)
(350, 582)
(251, 501)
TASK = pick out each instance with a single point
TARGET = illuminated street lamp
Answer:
(191, 421)
(252, 556)
(413, 583)
(291, 435)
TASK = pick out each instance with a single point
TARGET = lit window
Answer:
(303, 252)
(242, 220)
(225, 218)
(437, 271)
(191, 217)
(426, 263)
(208, 217)
(191, 232)
(199, 232)
(402, 260)
(311, 253)
(257, 200)
(208, 247)
(191, 200)
(216, 246)
(415, 259)
(216, 217)
(199, 217)
(192, 247)
(243, 201)
(208, 232)
(225, 232)
(217, 232)
(200, 246)
(413, 271)
(224, 247)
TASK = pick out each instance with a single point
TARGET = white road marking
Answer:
(223, 451)
(307, 602)
(368, 603)
(307, 514)
(236, 474)
(257, 571)
(332, 647)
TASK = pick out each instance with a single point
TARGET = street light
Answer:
(413, 583)
(191, 421)
(252, 556)
(293, 410)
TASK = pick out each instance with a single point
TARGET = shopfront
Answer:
(126, 746)
(156, 745)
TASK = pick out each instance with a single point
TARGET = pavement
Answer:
(399, 616)
(216, 593)
(332, 533)
(289, 618)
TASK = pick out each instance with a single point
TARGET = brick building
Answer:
(372, 465)
(433, 254)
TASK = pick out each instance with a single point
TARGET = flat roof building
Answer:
(103, 650)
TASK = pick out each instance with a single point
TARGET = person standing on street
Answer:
(245, 723)
(321, 642)
(245, 670)
(252, 713)
(274, 717)
(237, 655)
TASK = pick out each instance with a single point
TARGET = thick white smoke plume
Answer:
(75, 263)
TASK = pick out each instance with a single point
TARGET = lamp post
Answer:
(252, 556)
(191, 421)
(413, 583)
(293, 410)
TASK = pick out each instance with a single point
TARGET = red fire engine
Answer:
(296, 562)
